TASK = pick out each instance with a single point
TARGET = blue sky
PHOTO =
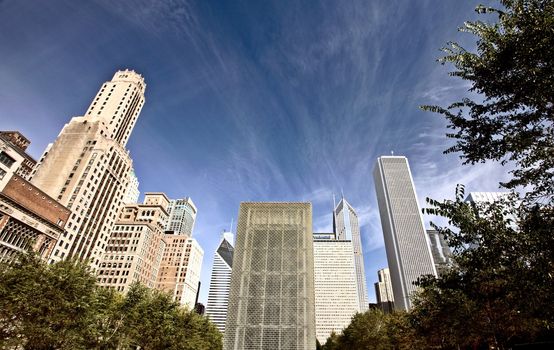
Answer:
(251, 100)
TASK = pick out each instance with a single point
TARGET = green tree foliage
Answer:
(499, 290)
(374, 330)
(59, 306)
(512, 73)
(366, 331)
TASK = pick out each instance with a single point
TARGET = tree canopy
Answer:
(59, 306)
(511, 119)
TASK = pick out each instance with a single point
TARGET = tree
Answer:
(44, 307)
(498, 293)
(155, 321)
(332, 342)
(59, 306)
(366, 331)
(512, 71)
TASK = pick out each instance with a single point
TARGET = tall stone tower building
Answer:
(87, 168)
(346, 227)
(220, 282)
(271, 301)
(406, 242)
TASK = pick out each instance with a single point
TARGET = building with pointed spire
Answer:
(346, 228)
(87, 167)
(220, 282)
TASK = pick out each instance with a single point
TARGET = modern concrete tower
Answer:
(87, 168)
(345, 225)
(136, 245)
(218, 296)
(182, 216)
(336, 287)
(271, 301)
(383, 291)
(406, 244)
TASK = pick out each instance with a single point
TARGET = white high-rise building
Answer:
(486, 197)
(336, 287)
(406, 243)
(346, 227)
(132, 194)
(220, 282)
(87, 168)
(182, 216)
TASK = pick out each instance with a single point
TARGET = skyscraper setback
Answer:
(408, 252)
(87, 168)
(346, 227)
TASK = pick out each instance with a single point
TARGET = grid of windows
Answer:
(406, 244)
(6, 159)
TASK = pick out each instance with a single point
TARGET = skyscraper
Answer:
(271, 300)
(345, 225)
(383, 291)
(132, 193)
(180, 268)
(442, 256)
(336, 287)
(220, 282)
(182, 216)
(87, 167)
(406, 244)
(182, 259)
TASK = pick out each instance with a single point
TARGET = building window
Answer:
(2, 173)
(6, 159)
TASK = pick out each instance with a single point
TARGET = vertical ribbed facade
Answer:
(220, 282)
(406, 244)
(271, 300)
(346, 227)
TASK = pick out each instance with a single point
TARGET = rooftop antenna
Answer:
(231, 227)
(341, 193)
